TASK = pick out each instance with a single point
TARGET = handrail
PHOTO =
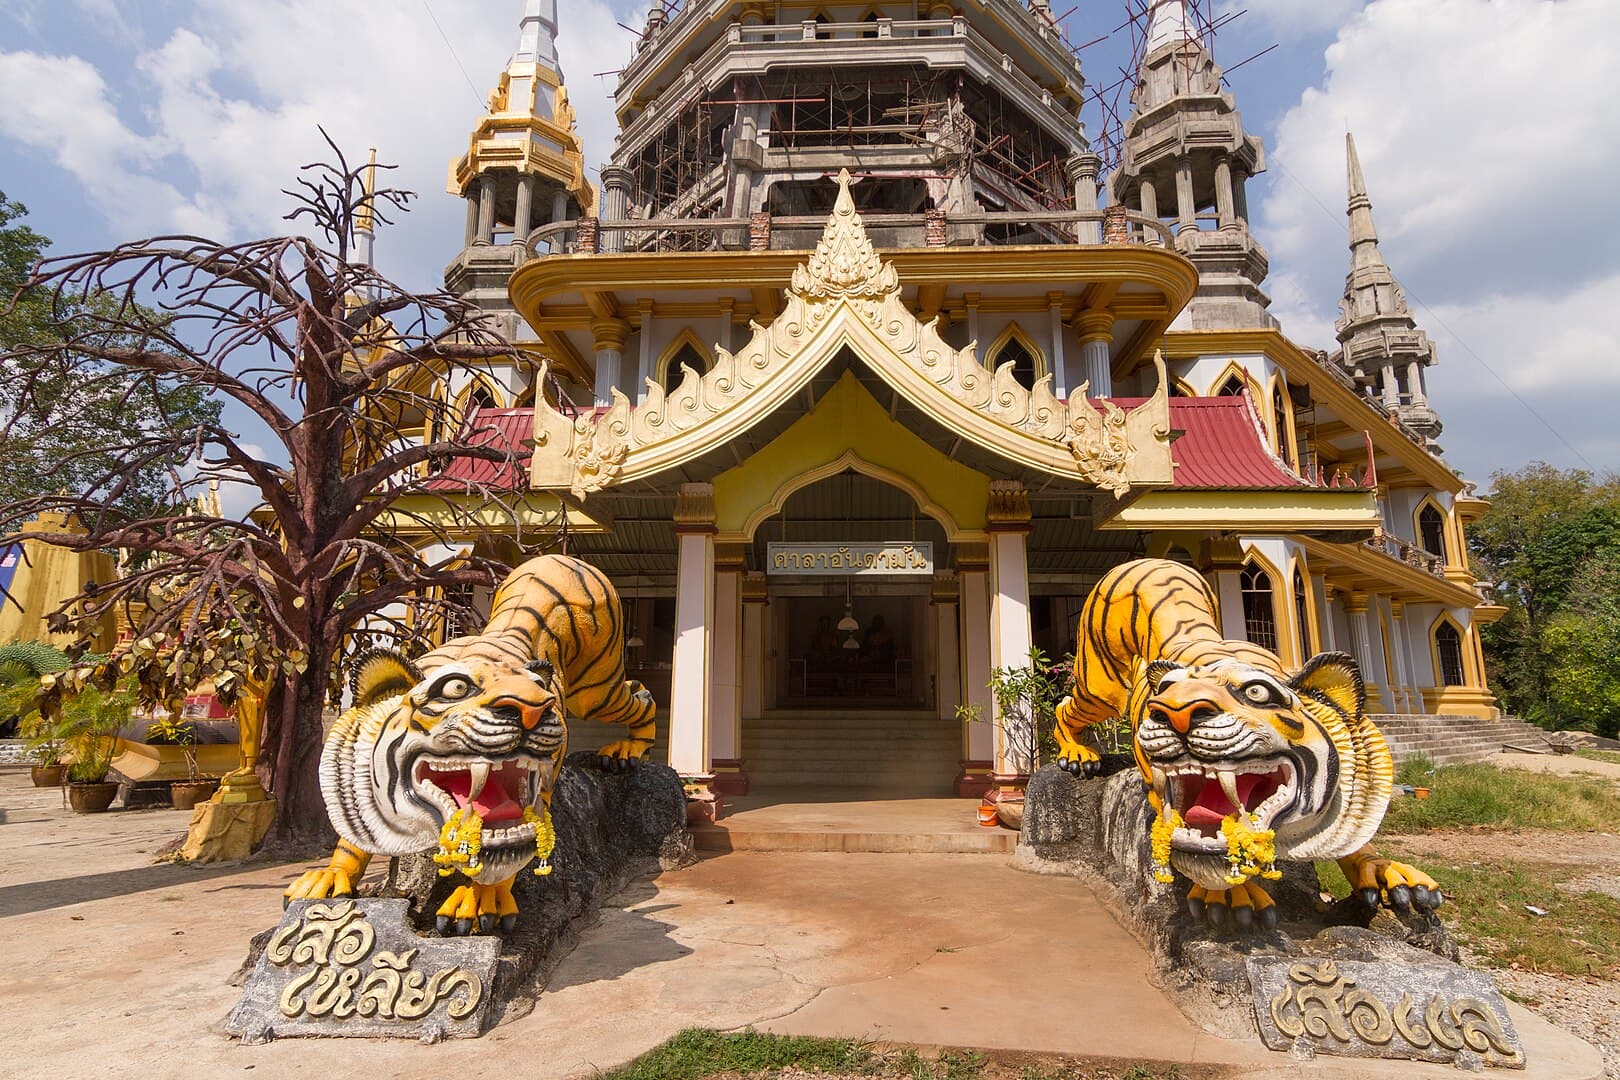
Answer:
(560, 230)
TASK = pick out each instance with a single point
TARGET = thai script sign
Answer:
(328, 969)
(914, 557)
(1438, 1012)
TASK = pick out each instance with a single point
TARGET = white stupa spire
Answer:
(1170, 26)
(538, 43)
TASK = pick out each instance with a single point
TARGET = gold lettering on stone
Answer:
(1321, 1002)
(337, 941)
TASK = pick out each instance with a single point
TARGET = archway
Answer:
(852, 645)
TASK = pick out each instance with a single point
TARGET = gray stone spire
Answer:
(1381, 346)
(538, 43)
(1187, 160)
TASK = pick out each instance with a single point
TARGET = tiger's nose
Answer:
(513, 711)
(1184, 717)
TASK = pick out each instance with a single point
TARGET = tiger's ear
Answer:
(1333, 677)
(379, 674)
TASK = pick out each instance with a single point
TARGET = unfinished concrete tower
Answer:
(1187, 160)
(525, 168)
(732, 110)
(1381, 346)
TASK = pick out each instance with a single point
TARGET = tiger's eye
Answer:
(1259, 693)
(455, 688)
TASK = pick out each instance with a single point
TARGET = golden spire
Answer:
(365, 218)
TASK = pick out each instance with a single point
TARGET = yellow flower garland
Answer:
(1163, 829)
(1250, 852)
(545, 839)
(459, 843)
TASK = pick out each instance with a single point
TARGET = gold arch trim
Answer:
(847, 297)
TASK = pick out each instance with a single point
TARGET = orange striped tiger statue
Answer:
(460, 751)
(1245, 763)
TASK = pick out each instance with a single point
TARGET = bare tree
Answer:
(341, 374)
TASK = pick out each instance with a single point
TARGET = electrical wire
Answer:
(478, 97)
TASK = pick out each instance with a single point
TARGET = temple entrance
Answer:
(851, 703)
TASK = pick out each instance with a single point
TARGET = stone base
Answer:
(225, 832)
(1098, 830)
(729, 778)
(611, 829)
(974, 781)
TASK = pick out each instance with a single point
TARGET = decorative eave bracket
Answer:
(846, 295)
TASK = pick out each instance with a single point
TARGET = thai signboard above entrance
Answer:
(850, 560)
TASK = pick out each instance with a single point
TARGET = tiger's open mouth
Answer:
(1206, 795)
(497, 791)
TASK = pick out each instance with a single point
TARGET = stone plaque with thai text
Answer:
(356, 968)
(913, 557)
(1439, 1012)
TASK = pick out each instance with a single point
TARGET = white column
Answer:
(609, 336)
(1229, 591)
(1324, 614)
(1096, 329)
(694, 616)
(645, 365)
(523, 218)
(1361, 638)
(1060, 370)
(1186, 209)
(1225, 206)
(1010, 634)
(1407, 693)
(486, 211)
(971, 301)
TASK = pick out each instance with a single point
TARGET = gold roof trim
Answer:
(846, 295)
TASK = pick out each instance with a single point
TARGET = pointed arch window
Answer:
(479, 398)
(823, 27)
(1259, 607)
(1448, 649)
(1279, 420)
(871, 17)
(1432, 531)
(687, 356)
(1015, 349)
(1232, 387)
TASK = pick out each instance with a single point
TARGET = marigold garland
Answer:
(1163, 829)
(459, 843)
(1250, 851)
(545, 839)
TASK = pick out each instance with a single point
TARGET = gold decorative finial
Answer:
(365, 218)
(845, 264)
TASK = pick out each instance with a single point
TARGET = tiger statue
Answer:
(461, 749)
(1245, 763)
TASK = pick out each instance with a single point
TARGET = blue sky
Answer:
(1488, 154)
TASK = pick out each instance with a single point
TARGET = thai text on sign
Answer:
(907, 558)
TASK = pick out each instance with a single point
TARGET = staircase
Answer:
(856, 753)
(1455, 740)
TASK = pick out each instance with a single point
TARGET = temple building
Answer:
(855, 375)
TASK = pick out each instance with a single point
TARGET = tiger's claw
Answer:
(623, 755)
(1080, 761)
(1245, 908)
(486, 907)
(318, 885)
(1397, 885)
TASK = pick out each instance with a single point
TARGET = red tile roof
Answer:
(1223, 445)
(508, 429)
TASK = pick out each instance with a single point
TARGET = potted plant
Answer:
(47, 770)
(86, 727)
(171, 729)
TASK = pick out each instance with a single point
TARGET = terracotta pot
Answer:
(47, 775)
(91, 798)
(186, 794)
(1420, 792)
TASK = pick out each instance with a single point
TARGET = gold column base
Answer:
(241, 786)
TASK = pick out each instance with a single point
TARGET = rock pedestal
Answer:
(611, 829)
(1099, 830)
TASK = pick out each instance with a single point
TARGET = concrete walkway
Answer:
(811, 821)
(1561, 764)
(116, 967)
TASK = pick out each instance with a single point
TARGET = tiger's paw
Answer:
(1078, 760)
(623, 755)
(1243, 908)
(486, 907)
(1396, 885)
(319, 885)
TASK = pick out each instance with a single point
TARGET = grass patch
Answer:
(1483, 795)
(697, 1053)
(1415, 771)
(1485, 905)
(1610, 757)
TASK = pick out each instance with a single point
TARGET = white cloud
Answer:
(219, 116)
(1481, 156)
(1294, 18)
